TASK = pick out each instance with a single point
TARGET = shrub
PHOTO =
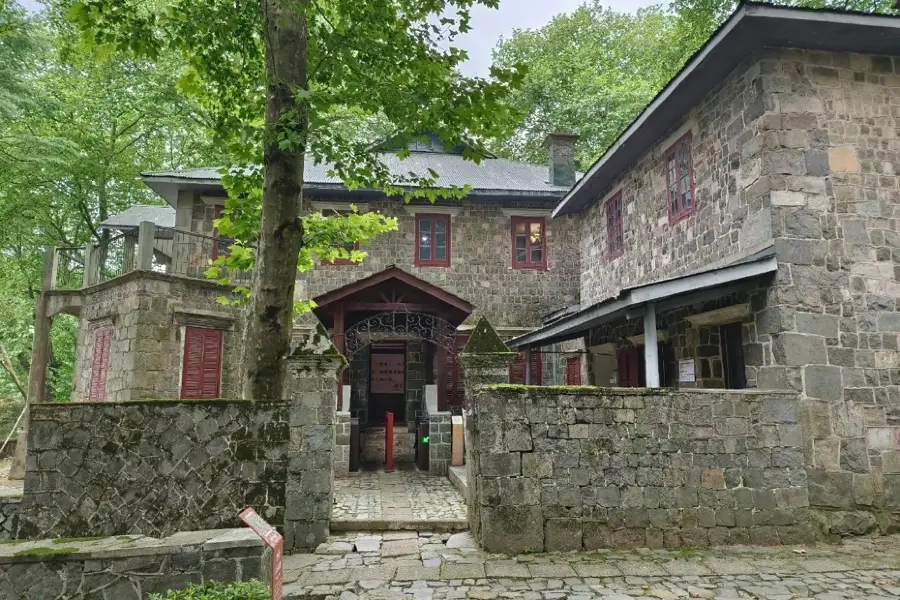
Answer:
(247, 590)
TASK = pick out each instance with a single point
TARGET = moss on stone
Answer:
(318, 347)
(6, 542)
(484, 340)
(70, 540)
(47, 551)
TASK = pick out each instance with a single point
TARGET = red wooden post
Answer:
(339, 344)
(389, 443)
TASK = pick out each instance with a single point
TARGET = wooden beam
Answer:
(387, 307)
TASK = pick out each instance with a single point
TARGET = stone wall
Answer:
(148, 313)
(153, 468)
(480, 264)
(9, 517)
(829, 163)
(731, 218)
(555, 469)
(440, 439)
(342, 444)
(129, 567)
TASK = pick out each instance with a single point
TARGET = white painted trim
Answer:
(526, 212)
(651, 353)
(638, 340)
(452, 211)
(213, 200)
(340, 207)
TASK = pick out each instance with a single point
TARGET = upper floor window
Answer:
(529, 243)
(432, 240)
(680, 179)
(220, 244)
(615, 234)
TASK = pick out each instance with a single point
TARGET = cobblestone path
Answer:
(404, 500)
(402, 565)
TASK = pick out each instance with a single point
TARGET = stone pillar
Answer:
(439, 439)
(342, 442)
(485, 361)
(312, 389)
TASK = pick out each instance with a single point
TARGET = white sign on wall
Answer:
(686, 370)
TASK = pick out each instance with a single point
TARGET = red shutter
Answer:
(628, 375)
(517, 369)
(573, 371)
(202, 368)
(100, 365)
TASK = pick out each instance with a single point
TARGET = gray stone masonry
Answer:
(558, 469)
(341, 444)
(148, 313)
(480, 268)
(129, 567)
(439, 441)
(9, 517)
(312, 380)
(153, 468)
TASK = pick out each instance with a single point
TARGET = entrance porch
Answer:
(400, 336)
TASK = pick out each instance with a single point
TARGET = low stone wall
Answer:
(440, 438)
(129, 567)
(556, 469)
(152, 468)
(9, 517)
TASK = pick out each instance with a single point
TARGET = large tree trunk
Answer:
(269, 323)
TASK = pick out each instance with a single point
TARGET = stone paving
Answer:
(431, 566)
(403, 500)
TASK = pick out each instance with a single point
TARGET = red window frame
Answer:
(217, 241)
(678, 155)
(615, 228)
(529, 244)
(573, 370)
(517, 369)
(432, 219)
(342, 261)
(201, 371)
(100, 364)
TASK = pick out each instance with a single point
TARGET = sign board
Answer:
(388, 373)
(456, 420)
(686, 370)
(273, 540)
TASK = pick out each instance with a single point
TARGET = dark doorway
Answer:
(632, 368)
(387, 382)
(733, 356)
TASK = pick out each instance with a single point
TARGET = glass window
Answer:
(528, 243)
(680, 179)
(432, 240)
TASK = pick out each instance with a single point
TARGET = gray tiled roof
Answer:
(162, 216)
(491, 175)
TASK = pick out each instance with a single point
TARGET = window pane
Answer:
(521, 255)
(537, 254)
(425, 239)
(536, 233)
(521, 242)
(440, 240)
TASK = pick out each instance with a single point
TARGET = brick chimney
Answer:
(562, 158)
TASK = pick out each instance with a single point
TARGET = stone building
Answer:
(743, 233)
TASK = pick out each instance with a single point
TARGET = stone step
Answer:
(460, 481)
(449, 525)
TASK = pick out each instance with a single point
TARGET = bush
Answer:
(247, 590)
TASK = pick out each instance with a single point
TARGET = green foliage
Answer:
(250, 590)
(593, 71)
(47, 551)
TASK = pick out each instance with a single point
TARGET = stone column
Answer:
(312, 389)
(485, 361)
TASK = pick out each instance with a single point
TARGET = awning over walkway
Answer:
(663, 295)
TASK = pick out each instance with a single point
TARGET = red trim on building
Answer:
(677, 154)
(573, 370)
(432, 260)
(100, 364)
(530, 244)
(201, 373)
(517, 369)
(615, 228)
(456, 381)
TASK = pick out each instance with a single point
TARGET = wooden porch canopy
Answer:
(390, 290)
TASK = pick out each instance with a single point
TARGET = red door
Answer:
(202, 369)
(517, 368)
(573, 370)
(629, 362)
(100, 364)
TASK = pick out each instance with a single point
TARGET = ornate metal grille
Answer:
(399, 325)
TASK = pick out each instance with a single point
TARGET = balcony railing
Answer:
(147, 248)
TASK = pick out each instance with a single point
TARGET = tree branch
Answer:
(8, 367)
